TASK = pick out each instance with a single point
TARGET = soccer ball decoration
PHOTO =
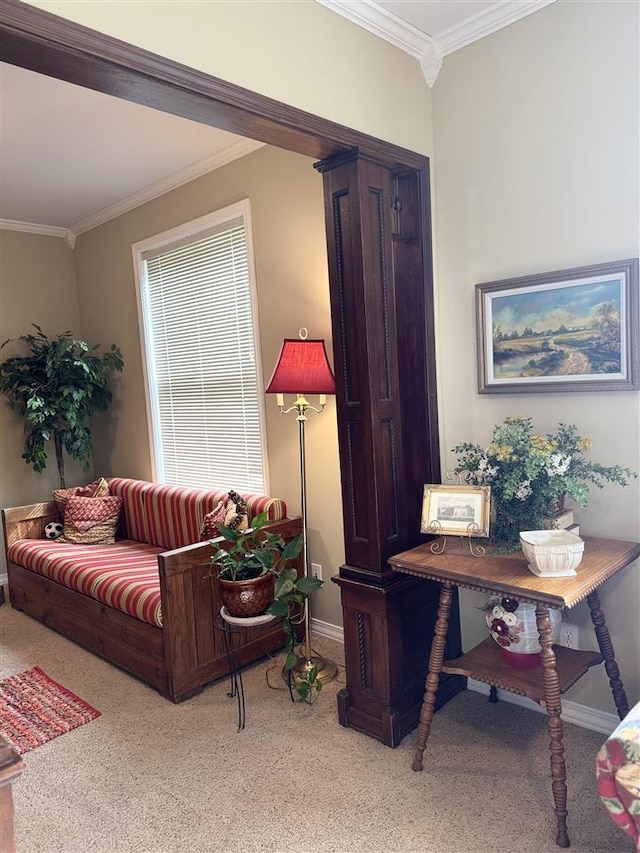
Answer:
(53, 530)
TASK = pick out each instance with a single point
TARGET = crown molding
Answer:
(430, 51)
(44, 230)
(431, 63)
(386, 25)
(171, 182)
(484, 23)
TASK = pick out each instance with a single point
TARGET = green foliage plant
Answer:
(290, 597)
(255, 552)
(530, 475)
(56, 388)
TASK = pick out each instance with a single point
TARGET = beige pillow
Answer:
(236, 517)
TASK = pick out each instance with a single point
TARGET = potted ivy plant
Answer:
(56, 388)
(255, 559)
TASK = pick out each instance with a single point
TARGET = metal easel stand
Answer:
(440, 544)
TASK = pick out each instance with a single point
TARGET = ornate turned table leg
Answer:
(607, 652)
(436, 658)
(554, 709)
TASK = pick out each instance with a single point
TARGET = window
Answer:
(203, 379)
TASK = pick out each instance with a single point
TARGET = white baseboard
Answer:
(4, 579)
(326, 629)
(572, 712)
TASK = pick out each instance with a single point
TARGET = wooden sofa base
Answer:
(118, 638)
(104, 631)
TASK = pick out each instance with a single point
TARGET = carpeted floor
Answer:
(154, 777)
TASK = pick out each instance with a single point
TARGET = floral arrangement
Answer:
(530, 474)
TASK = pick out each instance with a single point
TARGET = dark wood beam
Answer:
(43, 42)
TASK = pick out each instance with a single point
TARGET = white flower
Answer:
(524, 490)
(486, 472)
(558, 464)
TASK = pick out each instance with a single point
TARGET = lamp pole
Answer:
(303, 364)
(326, 669)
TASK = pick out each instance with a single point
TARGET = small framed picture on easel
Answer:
(456, 510)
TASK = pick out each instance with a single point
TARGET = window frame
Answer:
(184, 232)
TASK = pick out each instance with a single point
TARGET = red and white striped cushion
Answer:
(175, 514)
(133, 520)
(123, 575)
(275, 508)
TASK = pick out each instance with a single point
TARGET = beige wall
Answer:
(285, 192)
(296, 52)
(536, 168)
(37, 285)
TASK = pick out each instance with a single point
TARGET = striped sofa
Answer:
(146, 602)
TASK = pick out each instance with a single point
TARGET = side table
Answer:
(233, 628)
(509, 576)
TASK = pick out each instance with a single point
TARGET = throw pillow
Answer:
(91, 521)
(236, 517)
(212, 520)
(98, 489)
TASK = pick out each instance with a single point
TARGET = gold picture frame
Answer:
(456, 510)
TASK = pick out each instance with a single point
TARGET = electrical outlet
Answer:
(569, 635)
(316, 571)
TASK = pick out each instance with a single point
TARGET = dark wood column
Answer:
(377, 219)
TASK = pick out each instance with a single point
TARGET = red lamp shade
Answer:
(302, 368)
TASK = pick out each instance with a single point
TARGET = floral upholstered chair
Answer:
(618, 774)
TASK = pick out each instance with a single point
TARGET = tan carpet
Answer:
(151, 776)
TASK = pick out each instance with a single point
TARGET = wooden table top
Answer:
(509, 575)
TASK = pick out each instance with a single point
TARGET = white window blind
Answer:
(202, 371)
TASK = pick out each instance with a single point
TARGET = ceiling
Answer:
(71, 158)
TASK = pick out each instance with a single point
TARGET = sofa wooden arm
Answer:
(28, 522)
(194, 650)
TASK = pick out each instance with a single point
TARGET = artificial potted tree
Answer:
(56, 388)
(254, 568)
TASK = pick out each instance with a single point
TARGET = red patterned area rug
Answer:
(35, 709)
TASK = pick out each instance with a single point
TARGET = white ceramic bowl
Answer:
(552, 553)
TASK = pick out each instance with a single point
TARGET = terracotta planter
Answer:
(247, 598)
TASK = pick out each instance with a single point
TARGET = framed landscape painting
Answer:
(569, 330)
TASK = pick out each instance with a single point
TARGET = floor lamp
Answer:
(303, 368)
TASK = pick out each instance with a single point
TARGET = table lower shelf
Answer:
(485, 663)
